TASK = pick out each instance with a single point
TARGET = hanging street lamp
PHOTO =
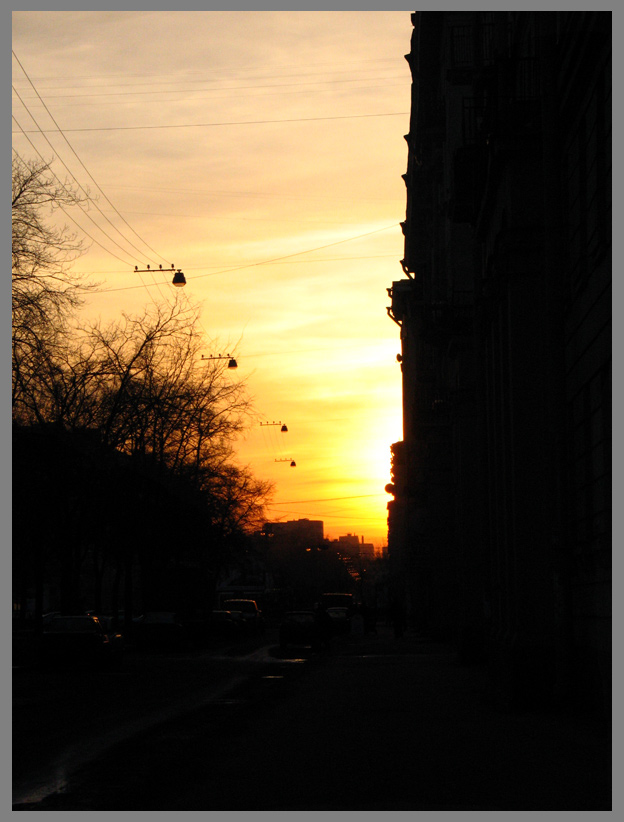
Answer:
(179, 280)
(284, 428)
(231, 364)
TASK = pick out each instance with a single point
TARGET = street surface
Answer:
(373, 723)
(64, 719)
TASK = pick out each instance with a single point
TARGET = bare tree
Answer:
(166, 423)
(158, 398)
(42, 253)
(45, 292)
(141, 418)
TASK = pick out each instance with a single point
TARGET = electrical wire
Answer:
(87, 196)
(327, 516)
(234, 122)
(326, 499)
(315, 82)
(81, 228)
(263, 194)
(275, 260)
(62, 132)
(83, 166)
(193, 97)
(89, 199)
(243, 70)
(75, 222)
(227, 88)
(84, 231)
(296, 262)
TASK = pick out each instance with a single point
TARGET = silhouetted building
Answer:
(294, 534)
(500, 526)
(367, 550)
(349, 544)
(305, 532)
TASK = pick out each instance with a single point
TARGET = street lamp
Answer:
(179, 279)
(283, 428)
(231, 364)
(293, 464)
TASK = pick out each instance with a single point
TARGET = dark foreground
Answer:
(373, 723)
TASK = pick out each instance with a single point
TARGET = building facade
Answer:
(499, 532)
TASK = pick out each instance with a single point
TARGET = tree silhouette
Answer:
(45, 291)
(124, 434)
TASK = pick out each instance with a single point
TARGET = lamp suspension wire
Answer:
(86, 194)
(93, 180)
(69, 216)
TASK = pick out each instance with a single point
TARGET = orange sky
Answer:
(262, 153)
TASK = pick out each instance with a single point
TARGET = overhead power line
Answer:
(88, 198)
(85, 168)
(125, 80)
(76, 223)
(326, 516)
(152, 92)
(327, 499)
(249, 70)
(268, 262)
(285, 262)
(66, 213)
(231, 123)
(214, 192)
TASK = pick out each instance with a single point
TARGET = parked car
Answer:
(337, 600)
(341, 620)
(80, 640)
(158, 629)
(250, 613)
(299, 628)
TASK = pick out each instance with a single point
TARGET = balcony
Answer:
(405, 296)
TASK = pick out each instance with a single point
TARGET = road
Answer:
(372, 723)
(65, 719)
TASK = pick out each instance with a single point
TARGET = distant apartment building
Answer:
(499, 530)
(294, 534)
(349, 544)
(354, 546)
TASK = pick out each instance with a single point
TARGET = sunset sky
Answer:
(261, 152)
